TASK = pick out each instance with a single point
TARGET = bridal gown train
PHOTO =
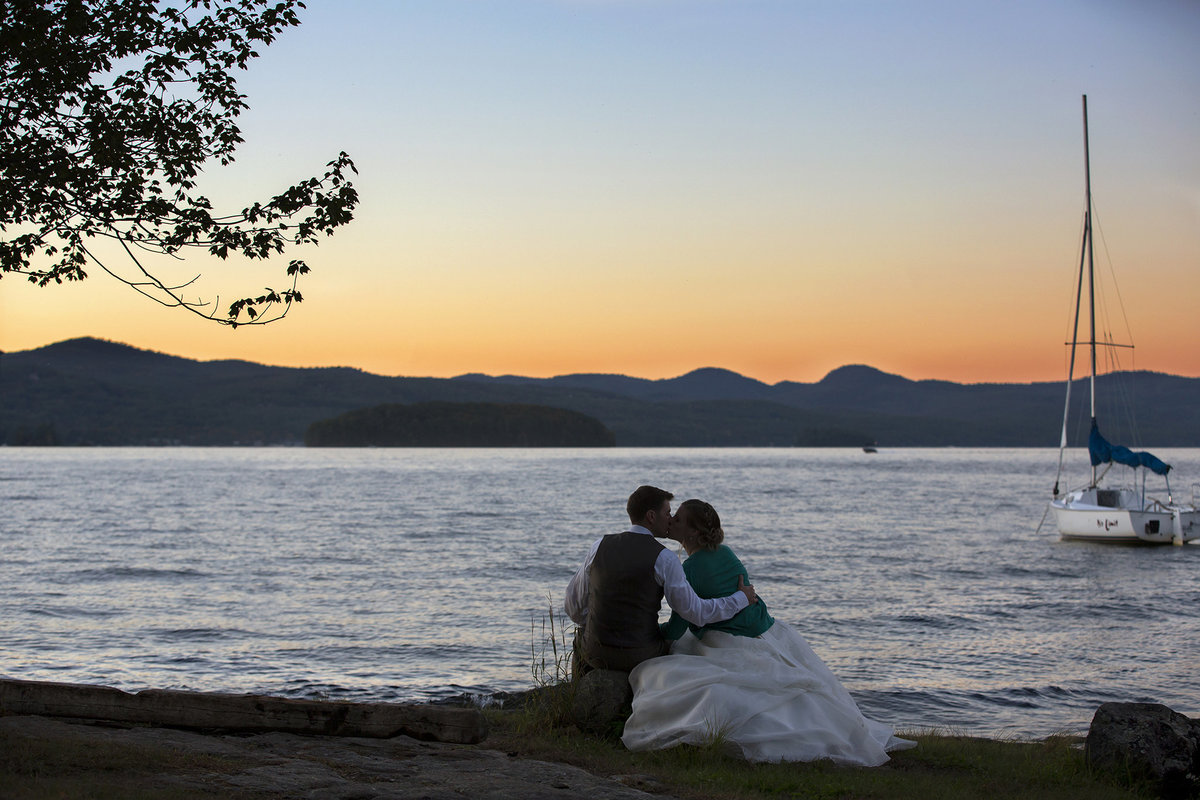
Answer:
(768, 697)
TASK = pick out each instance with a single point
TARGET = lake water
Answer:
(392, 574)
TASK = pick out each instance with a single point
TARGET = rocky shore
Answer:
(65, 740)
(128, 759)
(191, 744)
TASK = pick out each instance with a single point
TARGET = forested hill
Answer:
(87, 391)
(435, 424)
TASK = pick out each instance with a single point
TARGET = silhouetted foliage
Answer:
(437, 424)
(108, 113)
(43, 435)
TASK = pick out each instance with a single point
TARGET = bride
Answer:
(750, 681)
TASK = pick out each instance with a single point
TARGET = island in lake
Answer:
(444, 424)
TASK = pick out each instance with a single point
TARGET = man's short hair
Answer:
(643, 499)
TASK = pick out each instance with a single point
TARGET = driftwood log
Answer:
(249, 713)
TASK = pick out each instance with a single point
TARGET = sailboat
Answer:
(1123, 514)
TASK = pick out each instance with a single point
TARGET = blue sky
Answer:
(649, 187)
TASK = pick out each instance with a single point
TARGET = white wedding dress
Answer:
(769, 698)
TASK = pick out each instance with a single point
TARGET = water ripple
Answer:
(401, 575)
(135, 574)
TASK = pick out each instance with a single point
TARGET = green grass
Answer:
(941, 766)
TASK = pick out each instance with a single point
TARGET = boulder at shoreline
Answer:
(602, 702)
(1147, 741)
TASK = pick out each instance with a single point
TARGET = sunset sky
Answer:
(651, 186)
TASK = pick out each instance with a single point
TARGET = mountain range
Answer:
(94, 392)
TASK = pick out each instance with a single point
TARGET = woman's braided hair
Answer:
(703, 517)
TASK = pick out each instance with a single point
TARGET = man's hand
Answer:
(748, 590)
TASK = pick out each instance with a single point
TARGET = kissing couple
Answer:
(720, 668)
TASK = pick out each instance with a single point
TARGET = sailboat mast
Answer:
(1087, 176)
(1062, 443)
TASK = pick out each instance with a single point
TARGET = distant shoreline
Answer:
(90, 392)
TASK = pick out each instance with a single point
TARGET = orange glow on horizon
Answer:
(771, 348)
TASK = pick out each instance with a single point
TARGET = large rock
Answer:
(603, 701)
(137, 761)
(1147, 742)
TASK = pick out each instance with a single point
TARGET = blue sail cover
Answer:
(1102, 451)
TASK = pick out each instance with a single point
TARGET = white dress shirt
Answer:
(668, 573)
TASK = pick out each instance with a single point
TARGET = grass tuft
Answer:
(548, 705)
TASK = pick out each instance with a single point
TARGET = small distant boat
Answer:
(870, 448)
(1124, 514)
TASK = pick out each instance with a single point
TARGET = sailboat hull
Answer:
(1119, 516)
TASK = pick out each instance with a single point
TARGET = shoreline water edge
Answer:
(384, 576)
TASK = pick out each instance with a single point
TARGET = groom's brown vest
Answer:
(623, 596)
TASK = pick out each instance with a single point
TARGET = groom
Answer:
(617, 593)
